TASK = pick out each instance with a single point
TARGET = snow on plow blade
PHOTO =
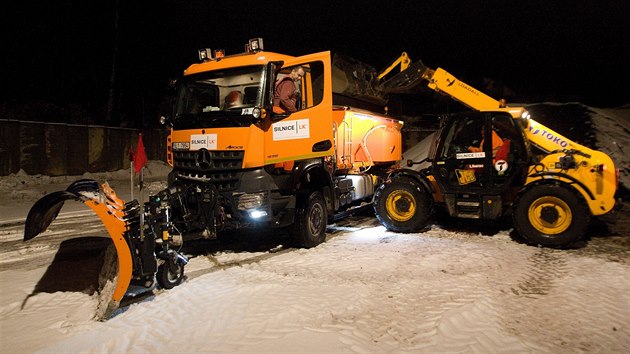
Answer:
(115, 215)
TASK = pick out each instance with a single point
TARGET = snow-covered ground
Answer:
(455, 287)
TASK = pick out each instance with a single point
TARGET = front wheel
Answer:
(402, 205)
(309, 229)
(550, 216)
(170, 273)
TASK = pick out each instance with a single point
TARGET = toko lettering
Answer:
(558, 140)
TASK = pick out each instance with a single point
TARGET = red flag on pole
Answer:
(140, 157)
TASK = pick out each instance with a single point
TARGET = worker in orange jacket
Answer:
(497, 142)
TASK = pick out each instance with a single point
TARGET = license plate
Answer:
(181, 146)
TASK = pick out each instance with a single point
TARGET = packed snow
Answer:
(454, 287)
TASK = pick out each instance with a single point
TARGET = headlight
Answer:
(257, 112)
(256, 214)
(251, 201)
(525, 117)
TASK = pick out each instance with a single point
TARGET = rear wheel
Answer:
(402, 205)
(309, 229)
(550, 216)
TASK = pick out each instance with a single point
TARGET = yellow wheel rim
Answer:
(401, 206)
(550, 215)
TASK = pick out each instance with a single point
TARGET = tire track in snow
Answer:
(557, 293)
(422, 316)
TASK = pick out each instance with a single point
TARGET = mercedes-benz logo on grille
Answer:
(203, 160)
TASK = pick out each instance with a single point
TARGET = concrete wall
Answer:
(63, 149)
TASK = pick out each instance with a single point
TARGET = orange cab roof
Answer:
(243, 59)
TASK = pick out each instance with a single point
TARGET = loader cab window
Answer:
(480, 151)
(295, 88)
(219, 94)
(462, 133)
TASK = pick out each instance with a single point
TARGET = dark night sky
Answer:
(61, 50)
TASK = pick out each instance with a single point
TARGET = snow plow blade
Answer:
(112, 211)
(144, 239)
(44, 211)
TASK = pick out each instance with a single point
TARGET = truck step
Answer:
(468, 204)
(468, 216)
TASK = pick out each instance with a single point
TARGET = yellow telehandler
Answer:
(550, 184)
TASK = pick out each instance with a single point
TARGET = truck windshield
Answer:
(222, 93)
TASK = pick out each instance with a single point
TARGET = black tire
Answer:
(309, 229)
(550, 216)
(402, 205)
(170, 274)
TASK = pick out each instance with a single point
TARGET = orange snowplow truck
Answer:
(239, 164)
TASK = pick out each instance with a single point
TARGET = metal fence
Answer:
(57, 149)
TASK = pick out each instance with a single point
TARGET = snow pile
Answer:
(613, 137)
(20, 190)
(418, 152)
(153, 170)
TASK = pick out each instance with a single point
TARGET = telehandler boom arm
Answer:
(438, 80)
(445, 83)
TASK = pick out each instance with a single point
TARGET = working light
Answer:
(205, 54)
(255, 45)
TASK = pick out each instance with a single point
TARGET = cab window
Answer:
(296, 87)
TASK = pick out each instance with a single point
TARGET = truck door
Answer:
(307, 132)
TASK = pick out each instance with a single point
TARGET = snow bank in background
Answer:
(21, 186)
(153, 169)
(613, 137)
(20, 190)
(418, 152)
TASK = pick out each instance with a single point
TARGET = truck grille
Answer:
(221, 168)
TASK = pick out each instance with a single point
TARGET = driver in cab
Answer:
(285, 93)
(496, 143)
